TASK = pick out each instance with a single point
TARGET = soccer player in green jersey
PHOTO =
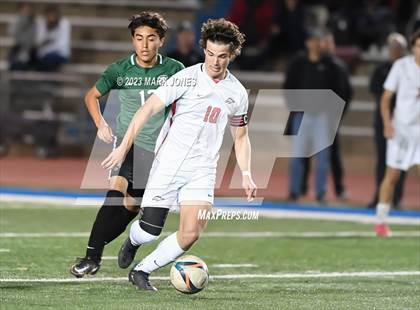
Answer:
(135, 78)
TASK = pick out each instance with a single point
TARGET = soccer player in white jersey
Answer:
(207, 97)
(403, 131)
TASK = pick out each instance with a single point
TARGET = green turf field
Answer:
(308, 260)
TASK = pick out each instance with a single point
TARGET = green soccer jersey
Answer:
(135, 84)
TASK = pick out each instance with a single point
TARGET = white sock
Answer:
(382, 211)
(138, 236)
(166, 252)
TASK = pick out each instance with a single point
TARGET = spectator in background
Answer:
(344, 90)
(185, 51)
(401, 129)
(311, 71)
(288, 27)
(254, 18)
(374, 22)
(22, 31)
(397, 46)
(53, 40)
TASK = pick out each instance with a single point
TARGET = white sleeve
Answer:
(392, 80)
(175, 87)
(240, 117)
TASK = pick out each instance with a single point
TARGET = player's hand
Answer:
(105, 133)
(389, 131)
(249, 187)
(114, 159)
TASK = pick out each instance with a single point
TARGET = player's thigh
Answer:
(190, 221)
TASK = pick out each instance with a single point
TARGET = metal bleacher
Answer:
(99, 37)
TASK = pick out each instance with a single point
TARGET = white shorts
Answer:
(167, 190)
(402, 151)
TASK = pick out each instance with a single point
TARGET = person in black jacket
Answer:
(345, 91)
(397, 45)
(312, 70)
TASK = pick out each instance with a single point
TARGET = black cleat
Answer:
(126, 254)
(141, 280)
(84, 266)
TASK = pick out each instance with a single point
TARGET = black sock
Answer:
(121, 218)
(111, 221)
(96, 243)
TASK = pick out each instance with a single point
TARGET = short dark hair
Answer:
(414, 37)
(152, 19)
(221, 30)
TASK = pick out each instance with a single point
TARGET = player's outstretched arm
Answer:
(151, 107)
(92, 104)
(386, 113)
(243, 157)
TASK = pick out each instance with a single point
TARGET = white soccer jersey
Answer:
(203, 109)
(404, 79)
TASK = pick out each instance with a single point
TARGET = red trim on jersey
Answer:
(173, 109)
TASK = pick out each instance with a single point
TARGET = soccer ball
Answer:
(189, 274)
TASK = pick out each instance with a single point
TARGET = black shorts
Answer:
(135, 169)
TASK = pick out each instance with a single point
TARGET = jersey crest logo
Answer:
(120, 81)
(229, 101)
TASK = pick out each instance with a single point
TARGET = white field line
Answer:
(269, 213)
(220, 234)
(362, 274)
(109, 257)
(234, 266)
(212, 266)
(329, 216)
(4, 250)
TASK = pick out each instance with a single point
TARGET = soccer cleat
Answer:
(382, 230)
(141, 280)
(84, 266)
(126, 254)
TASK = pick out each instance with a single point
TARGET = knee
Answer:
(153, 220)
(187, 237)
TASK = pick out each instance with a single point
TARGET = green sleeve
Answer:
(180, 66)
(108, 80)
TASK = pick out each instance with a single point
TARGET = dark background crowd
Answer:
(313, 44)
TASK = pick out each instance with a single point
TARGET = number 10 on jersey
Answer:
(212, 114)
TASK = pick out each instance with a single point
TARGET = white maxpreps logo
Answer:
(268, 139)
(161, 80)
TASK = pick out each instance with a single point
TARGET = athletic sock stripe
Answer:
(156, 226)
